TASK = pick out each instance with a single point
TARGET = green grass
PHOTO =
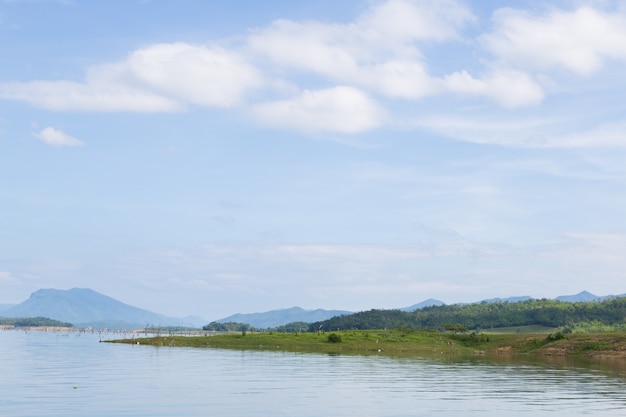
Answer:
(406, 342)
(359, 342)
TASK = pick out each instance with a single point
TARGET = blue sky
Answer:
(211, 158)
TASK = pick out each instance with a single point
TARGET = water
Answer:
(72, 374)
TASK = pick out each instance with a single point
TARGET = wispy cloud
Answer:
(88, 96)
(7, 278)
(54, 137)
(443, 264)
(525, 132)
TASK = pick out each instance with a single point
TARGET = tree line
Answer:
(33, 322)
(485, 315)
(228, 327)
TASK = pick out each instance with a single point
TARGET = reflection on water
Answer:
(67, 374)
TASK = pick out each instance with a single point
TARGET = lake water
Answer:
(72, 374)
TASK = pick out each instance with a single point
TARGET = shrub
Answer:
(456, 328)
(334, 338)
(471, 339)
(556, 336)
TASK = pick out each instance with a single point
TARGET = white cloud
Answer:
(579, 40)
(159, 78)
(339, 109)
(398, 78)
(312, 46)
(378, 52)
(207, 76)
(524, 132)
(406, 20)
(509, 88)
(54, 137)
(378, 57)
(73, 96)
(489, 130)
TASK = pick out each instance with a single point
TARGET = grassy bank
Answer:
(407, 342)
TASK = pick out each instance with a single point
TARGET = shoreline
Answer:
(592, 346)
(403, 342)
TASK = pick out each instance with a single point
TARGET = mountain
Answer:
(426, 303)
(583, 296)
(586, 296)
(84, 307)
(509, 299)
(279, 317)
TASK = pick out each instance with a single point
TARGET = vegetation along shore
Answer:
(409, 342)
(532, 327)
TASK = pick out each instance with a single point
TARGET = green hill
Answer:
(609, 314)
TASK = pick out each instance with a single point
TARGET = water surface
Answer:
(72, 374)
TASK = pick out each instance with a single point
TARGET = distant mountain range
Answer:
(280, 317)
(426, 303)
(584, 296)
(84, 307)
(508, 300)
(87, 308)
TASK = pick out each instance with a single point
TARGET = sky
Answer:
(211, 158)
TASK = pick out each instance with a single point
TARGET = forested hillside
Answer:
(32, 322)
(550, 313)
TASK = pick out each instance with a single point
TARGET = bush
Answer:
(456, 328)
(554, 337)
(471, 339)
(334, 338)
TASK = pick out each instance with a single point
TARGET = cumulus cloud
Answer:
(339, 109)
(159, 78)
(406, 20)
(54, 137)
(333, 76)
(208, 76)
(378, 52)
(578, 40)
